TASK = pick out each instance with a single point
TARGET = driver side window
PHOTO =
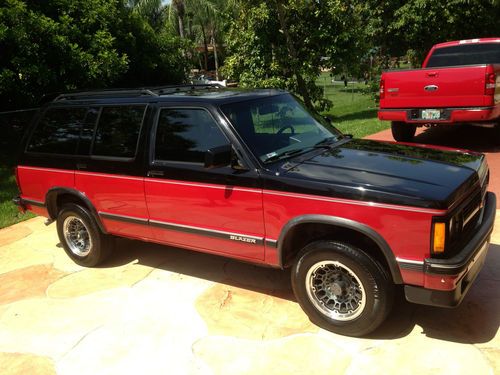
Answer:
(185, 134)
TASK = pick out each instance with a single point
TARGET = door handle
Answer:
(81, 166)
(156, 174)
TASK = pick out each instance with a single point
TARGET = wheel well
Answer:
(57, 199)
(306, 233)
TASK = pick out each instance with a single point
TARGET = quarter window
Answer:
(58, 131)
(186, 134)
(118, 131)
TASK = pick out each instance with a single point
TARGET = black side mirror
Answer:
(218, 157)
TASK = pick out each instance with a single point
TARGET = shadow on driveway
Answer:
(466, 137)
(476, 320)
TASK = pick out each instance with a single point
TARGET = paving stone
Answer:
(232, 311)
(14, 233)
(93, 280)
(19, 364)
(299, 354)
(25, 283)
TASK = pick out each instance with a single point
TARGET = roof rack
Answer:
(153, 91)
(104, 94)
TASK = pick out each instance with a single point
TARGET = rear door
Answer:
(215, 210)
(109, 168)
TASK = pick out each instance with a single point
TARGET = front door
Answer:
(215, 210)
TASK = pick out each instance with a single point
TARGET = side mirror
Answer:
(218, 157)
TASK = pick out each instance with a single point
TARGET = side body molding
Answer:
(51, 203)
(348, 224)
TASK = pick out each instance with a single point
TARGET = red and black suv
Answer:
(254, 175)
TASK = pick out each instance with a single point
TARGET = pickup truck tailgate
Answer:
(462, 86)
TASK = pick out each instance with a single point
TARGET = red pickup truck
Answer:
(459, 83)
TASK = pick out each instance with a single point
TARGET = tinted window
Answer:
(58, 131)
(185, 135)
(118, 131)
(465, 54)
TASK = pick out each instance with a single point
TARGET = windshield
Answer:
(278, 127)
(465, 54)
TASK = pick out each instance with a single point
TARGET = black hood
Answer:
(383, 172)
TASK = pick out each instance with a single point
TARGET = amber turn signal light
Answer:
(439, 237)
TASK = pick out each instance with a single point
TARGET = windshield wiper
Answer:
(286, 154)
(329, 142)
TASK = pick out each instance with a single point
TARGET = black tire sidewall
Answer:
(403, 132)
(377, 287)
(95, 255)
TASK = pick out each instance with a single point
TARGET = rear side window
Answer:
(58, 131)
(465, 54)
(186, 134)
(118, 130)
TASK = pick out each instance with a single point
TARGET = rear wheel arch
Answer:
(57, 197)
(302, 230)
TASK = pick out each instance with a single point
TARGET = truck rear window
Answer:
(465, 54)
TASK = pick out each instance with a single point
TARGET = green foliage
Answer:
(284, 44)
(60, 45)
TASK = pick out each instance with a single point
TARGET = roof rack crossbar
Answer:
(153, 91)
(105, 93)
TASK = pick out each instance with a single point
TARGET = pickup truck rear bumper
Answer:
(449, 115)
(458, 272)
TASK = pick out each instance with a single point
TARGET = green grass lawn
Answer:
(11, 129)
(9, 214)
(354, 110)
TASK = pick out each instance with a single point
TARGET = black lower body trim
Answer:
(21, 202)
(250, 240)
(126, 219)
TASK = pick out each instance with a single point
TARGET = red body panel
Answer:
(206, 206)
(36, 182)
(412, 243)
(119, 195)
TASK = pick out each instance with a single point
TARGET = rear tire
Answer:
(402, 131)
(341, 288)
(81, 238)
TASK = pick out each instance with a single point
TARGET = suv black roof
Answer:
(214, 93)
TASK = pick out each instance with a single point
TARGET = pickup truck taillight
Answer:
(490, 81)
(382, 89)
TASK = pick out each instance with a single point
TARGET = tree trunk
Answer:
(205, 46)
(181, 26)
(214, 43)
(301, 83)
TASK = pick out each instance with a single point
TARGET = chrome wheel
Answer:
(77, 236)
(335, 290)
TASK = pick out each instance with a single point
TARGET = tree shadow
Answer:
(464, 137)
(476, 320)
(361, 115)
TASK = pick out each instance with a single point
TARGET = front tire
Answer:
(341, 288)
(81, 238)
(403, 132)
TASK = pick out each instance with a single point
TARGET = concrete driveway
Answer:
(160, 310)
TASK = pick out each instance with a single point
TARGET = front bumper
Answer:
(459, 271)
